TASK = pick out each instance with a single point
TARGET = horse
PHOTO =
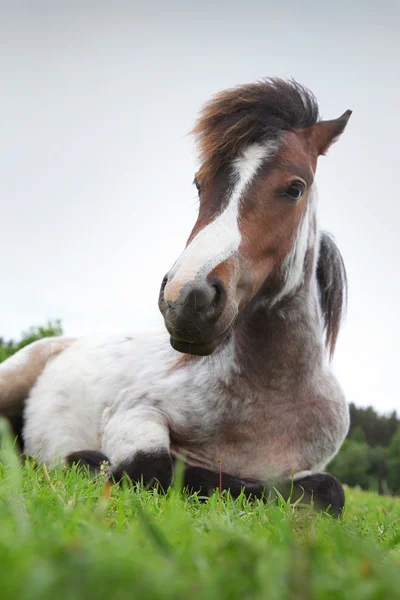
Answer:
(238, 383)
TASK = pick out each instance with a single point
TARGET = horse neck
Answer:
(285, 339)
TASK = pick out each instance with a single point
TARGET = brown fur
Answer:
(19, 376)
(247, 114)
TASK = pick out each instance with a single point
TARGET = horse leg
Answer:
(205, 482)
(136, 440)
(92, 459)
(321, 489)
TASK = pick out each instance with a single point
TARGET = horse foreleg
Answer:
(205, 482)
(136, 440)
(322, 490)
(92, 459)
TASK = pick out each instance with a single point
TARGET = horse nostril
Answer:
(219, 290)
(203, 300)
(219, 301)
(164, 282)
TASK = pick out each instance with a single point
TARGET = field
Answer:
(63, 535)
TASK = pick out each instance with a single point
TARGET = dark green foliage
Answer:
(393, 463)
(370, 456)
(357, 434)
(377, 429)
(351, 465)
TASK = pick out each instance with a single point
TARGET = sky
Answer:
(96, 167)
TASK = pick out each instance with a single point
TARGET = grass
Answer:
(63, 535)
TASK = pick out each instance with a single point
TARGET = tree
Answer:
(357, 434)
(393, 464)
(378, 429)
(377, 470)
(352, 464)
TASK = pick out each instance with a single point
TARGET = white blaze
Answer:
(221, 238)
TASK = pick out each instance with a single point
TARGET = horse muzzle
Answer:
(196, 318)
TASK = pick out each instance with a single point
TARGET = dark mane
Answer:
(332, 284)
(250, 113)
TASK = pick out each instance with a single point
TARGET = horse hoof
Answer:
(87, 458)
(321, 489)
(150, 468)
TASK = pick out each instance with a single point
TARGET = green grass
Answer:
(64, 535)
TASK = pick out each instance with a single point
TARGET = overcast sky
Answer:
(96, 200)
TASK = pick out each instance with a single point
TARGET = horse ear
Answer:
(326, 133)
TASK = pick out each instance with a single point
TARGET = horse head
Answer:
(256, 228)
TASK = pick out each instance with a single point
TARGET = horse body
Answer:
(116, 380)
(206, 408)
(268, 391)
(253, 308)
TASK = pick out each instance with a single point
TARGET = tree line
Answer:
(369, 457)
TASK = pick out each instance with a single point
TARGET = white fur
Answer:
(221, 238)
(293, 266)
(118, 394)
(148, 423)
(301, 475)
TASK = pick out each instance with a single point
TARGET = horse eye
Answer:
(294, 191)
(196, 183)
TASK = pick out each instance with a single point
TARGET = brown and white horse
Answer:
(254, 303)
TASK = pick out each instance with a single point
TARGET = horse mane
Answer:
(332, 285)
(250, 113)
